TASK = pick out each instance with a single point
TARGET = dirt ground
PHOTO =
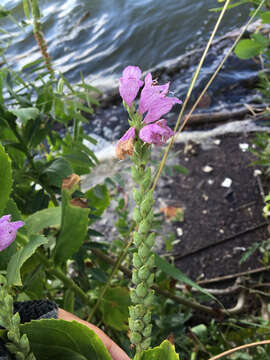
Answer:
(220, 223)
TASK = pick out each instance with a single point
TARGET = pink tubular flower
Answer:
(8, 231)
(130, 84)
(159, 107)
(124, 146)
(150, 93)
(157, 133)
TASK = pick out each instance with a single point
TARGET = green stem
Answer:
(108, 283)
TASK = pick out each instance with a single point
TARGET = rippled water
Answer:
(100, 37)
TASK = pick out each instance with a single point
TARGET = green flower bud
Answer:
(143, 252)
(150, 280)
(150, 262)
(135, 338)
(24, 344)
(16, 319)
(150, 240)
(132, 312)
(150, 216)
(146, 344)
(146, 182)
(147, 331)
(137, 261)
(133, 296)
(140, 310)
(143, 272)
(136, 175)
(144, 227)
(138, 238)
(141, 290)
(135, 278)
(149, 298)
(138, 325)
(147, 317)
(146, 154)
(147, 203)
(137, 196)
(137, 215)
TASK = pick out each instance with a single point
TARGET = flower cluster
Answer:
(153, 104)
(8, 231)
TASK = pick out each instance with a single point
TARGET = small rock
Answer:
(257, 172)
(175, 242)
(244, 147)
(221, 231)
(227, 183)
(179, 231)
(205, 197)
(207, 169)
(217, 142)
(210, 181)
(205, 212)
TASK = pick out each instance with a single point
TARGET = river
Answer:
(98, 38)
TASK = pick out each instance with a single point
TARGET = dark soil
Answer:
(220, 223)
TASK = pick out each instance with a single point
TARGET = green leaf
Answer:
(99, 198)
(58, 170)
(64, 340)
(164, 351)
(25, 114)
(19, 258)
(74, 222)
(26, 9)
(247, 49)
(46, 218)
(259, 38)
(265, 16)
(175, 273)
(114, 307)
(5, 178)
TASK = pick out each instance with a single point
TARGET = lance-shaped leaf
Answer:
(19, 258)
(74, 223)
(64, 340)
(5, 178)
(42, 219)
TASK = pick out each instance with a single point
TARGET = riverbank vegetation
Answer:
(44, 154)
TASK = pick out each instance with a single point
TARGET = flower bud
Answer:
(137, 325)
(133, 296)
(135, 278)
(141, 290)
(143, 272)
(144, 227)
(137, 195)
(146, 344)
(149, 298)
(132, 312)
(151, 261)
(147, 331)
(147, 203)
(146, 182)
(136, 175)
(150, 240)
(150, 280)
(137, 215)
(137, 261)
(147, 317)
(144, 252)
(140, 311)
(135, 338)
(138, 238)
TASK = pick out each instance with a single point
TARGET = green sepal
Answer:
(143, 272)
(141, 290)
(144, 227)
(137, 196)
(135, 338)
(150, 240)
(134, 298)
(147, 179)
(136, 325)
(151, 261)
(137, 261)
(135, 278)
(150, 280)
(149, 298)
(147, 203)
(137, 215)
(146, 344)
(147, 331)
(147, 317)
(137, 238)
(143, 252)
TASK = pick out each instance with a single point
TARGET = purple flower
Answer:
(130, 84)
(159, 107)
(150, 93)
(157, 133)
(124, 146)
(8, 231)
